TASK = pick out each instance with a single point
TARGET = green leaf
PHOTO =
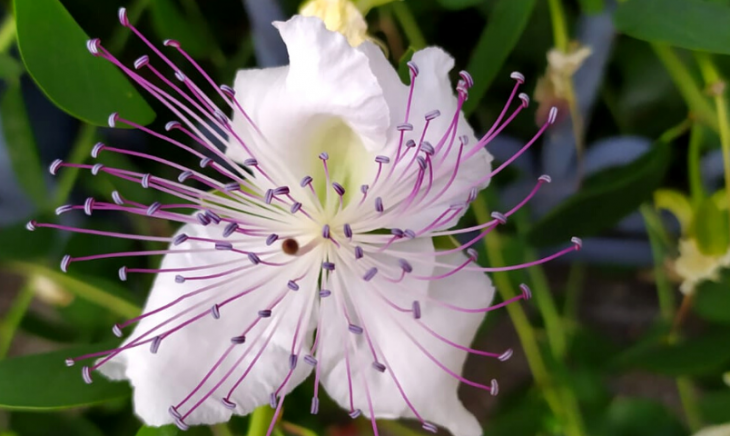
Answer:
(169, 22)
(10, 69)
(604, 199)
(710, 228)
(592, 6)
(459, 4)
(25, 245)
(53, 48)
(691, 24)
(712, 299)
(403, 70)
(31, 424)
(43, 382)
(168, 430)
(21, 145)
(699, 356)
(634, 417)
(715, 405)
(506, 23)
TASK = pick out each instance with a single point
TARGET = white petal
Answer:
(185, 357)
(418, 375)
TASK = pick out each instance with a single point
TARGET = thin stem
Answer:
(79, 153)
(685, 83)
(716, 87)
(527, 335)
(560, 30)
(8, 32)
(79, 288)
(655, 229)
(14, 316)
(410, 25)
(696, 189)
(689, 402)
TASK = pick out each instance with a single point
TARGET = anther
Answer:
(173, 412)
(97, 149)
(329, 266)
(117, 198)
(230, 187)
(213, 216)
(228, 404)
(379, 205)
(553, 115)
(324, 293)
(238, 340)
(526, 292)
(466, 77)
(86, 375)
(413, 68)
(295, 207)
(146, 180)
(516, 75)
(506, 355)
(250, 162)
(215, 312)
(172, 125)
(364, 188)
(404, 127)
(53, 168)
(112, 120)
(315, 406)
(356, 329)
(179, 279)
(293, 360)
(179, 239)
(379, 366)
(265, 313)
(545, 178)
(223, 246)
(122, 14)
(427, 148)
(382, 159)
(204, 162)
(65, 261)
(310, 360)
(305, 181)
(141, 62)
(203, 219)
(181, 424)
(123, 273)
(473, 254)
(339, 189)
(254, 258)
(326, 231)
(89, 205)
(93, 46)
(355, 413)
(227, 90)
(416, 308)
(30, 226)
(405, 265)
(70, 362)
(171, 43)
(408, 233)
(348, 231)
(464, 139)
(410, 143)
(525, 100)
(324, 155)
(421, 163)
(153, 208)
(117, 330)
(155, 344)
(269, 196)
(272, 400)
(230, 229)
(96, 168)
(578, 242)
(429, 427)
(271, 238)
(281, 190)
(494, 390)
(359, 252)
(292, 285)
(432, 115)
(370, 274)
(499, 217)
(472, 195)
(398, 233)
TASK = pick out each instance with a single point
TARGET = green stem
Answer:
(560, 30)
(221, 430)
(528, 339)
(655, 229)
(685, 83)
(410, 25)
(689, 403)
(697, 191)
(260, 420)
(79, 288)
(8, 32)
(14, 316)
(572, 292)
(79, 153)
(713, 80)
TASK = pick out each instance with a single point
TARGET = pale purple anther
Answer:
(355, 413)
(65, 261)
(204, 162)
(382, 159)
(506, 355)
(430, 427)
(174, 413)
(96, 168)
(379, 205)
(326, 231)
(526, 292)
(86, 375)
(112, 120)
(230, 187)
(265, 313)
(525, 100)
(215, 312)
(89, 205)
(413, 68)
(473, 193)
(117, 330)
(97, 149)
(295, 207)
(155, 344)
(324, 293)
(545, 178)
(272, 400)
(238, 340)
(329, 266)
(184, 176)
(499, 217)
(404, 127)
(179, 279)
(93, 46)
(473, 254)
(410, 143)
(154, 208)
(324, 155)
(310, 360)
(405, 265)
(305, 181)
(223, 246)
(30, 225)
(141, 61)
(293, 360)
(123, 273)
(364, 188)
(203, 219)
(379, 366)
(179, 75)
(408, 233)
(356, 329)
(292, 285)
(227, 90)
(230, 229)
(269, 196)
(181, 425)
(422, 163)
(578, 242)
(432, 115)
(117, 198)
(398, 233)
(271, 238)
(250, 162)
(122, 15)
(339, 189)
(254, 258)
(179, 239)
(281, 190)
(370, 274)
(63, 209)
(494, 388)
(70, 362)
(170, 125)
(359, 253)
(228, 404)
(348, 231)
(516, 75)
(315, 406)
(146, 180)
(416, 308)
(466, 77)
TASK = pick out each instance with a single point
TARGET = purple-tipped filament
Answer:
(299, 237)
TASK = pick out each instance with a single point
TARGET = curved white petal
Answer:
(187, 355)
(419, 377)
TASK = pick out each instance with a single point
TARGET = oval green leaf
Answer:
(604, 199)
(53, 48)
(691, 24)
(43, 382)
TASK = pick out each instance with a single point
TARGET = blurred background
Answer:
(630, 336)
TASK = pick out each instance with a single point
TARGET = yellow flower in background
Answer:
(339, 16)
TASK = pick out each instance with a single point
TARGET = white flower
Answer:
(695, 267)
(315, 254)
